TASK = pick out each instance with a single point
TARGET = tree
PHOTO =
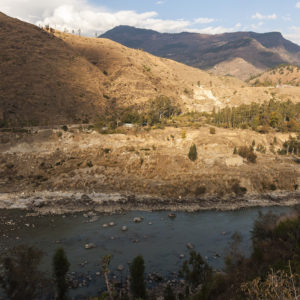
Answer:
(137, 281)
(105, 271)
(277, 285)
(168, 293)
(193, 153)
(60, 268)
(195, 270)
(19, 276)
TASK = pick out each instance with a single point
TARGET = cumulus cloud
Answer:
(75, 14)
(257, 26)
(294, 34)
(203, 20)
(79, 14)
(298, 4)
(264, 17)
(216, 29)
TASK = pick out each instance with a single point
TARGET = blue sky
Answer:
(212, 17)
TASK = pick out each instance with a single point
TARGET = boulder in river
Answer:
(93, 219)
(124, 228)
(190, 246)
(89, 246)
(120, 267)
(137, 220)
(172, 215)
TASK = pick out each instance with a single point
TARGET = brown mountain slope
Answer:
(63, 78)
(284, 75)
(42, 80)
(135, 76)
(237, 67)
(204, 51)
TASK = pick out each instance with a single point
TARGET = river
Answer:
(159, 239)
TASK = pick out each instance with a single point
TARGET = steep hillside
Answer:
(42, 80)
(236, 67)
(57, 78)
(283, 75)
(205, 51)
(135, 76)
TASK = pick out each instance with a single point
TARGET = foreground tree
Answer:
(193, 153)
(169, 294)
(60, 268)
(105, 271)
(137, 281)
(19, 274)
(277, 285)
(195, 271)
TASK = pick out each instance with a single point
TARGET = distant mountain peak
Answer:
(262, 50)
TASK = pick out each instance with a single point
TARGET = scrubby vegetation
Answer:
(291, 146)
(277, 115)
(248, 153)
(155, 112)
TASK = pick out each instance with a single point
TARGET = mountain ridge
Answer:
(204, 51)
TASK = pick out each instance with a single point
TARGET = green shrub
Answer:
(239, 190)
(212, 130)
(261, 148)
(247, 152)
(193, 153)
(200, 190)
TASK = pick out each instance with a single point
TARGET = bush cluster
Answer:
(247, 152)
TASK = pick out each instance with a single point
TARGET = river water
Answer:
(158, 238)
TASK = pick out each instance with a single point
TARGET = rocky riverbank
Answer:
(57, 171)
(41, 203)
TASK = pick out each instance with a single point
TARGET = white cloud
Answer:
(298, 5)
(215, 30)
(294, 34)
(160, 2)
(264, 17)
(203, 20)
(74, 14)
(257, 26)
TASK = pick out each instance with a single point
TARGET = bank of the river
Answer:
(152, 163)
(70, 202)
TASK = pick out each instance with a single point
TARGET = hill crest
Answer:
(262, 50)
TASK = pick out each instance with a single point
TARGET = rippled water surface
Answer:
(158, 238)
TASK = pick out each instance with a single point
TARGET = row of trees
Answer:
(282, 116)
(155, 111)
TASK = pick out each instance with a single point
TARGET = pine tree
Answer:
(60, 268)
(137, 281)
(168, 293)
(193, 153)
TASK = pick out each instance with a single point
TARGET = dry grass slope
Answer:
(42, 80)
(62, 78)
(284, 75)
